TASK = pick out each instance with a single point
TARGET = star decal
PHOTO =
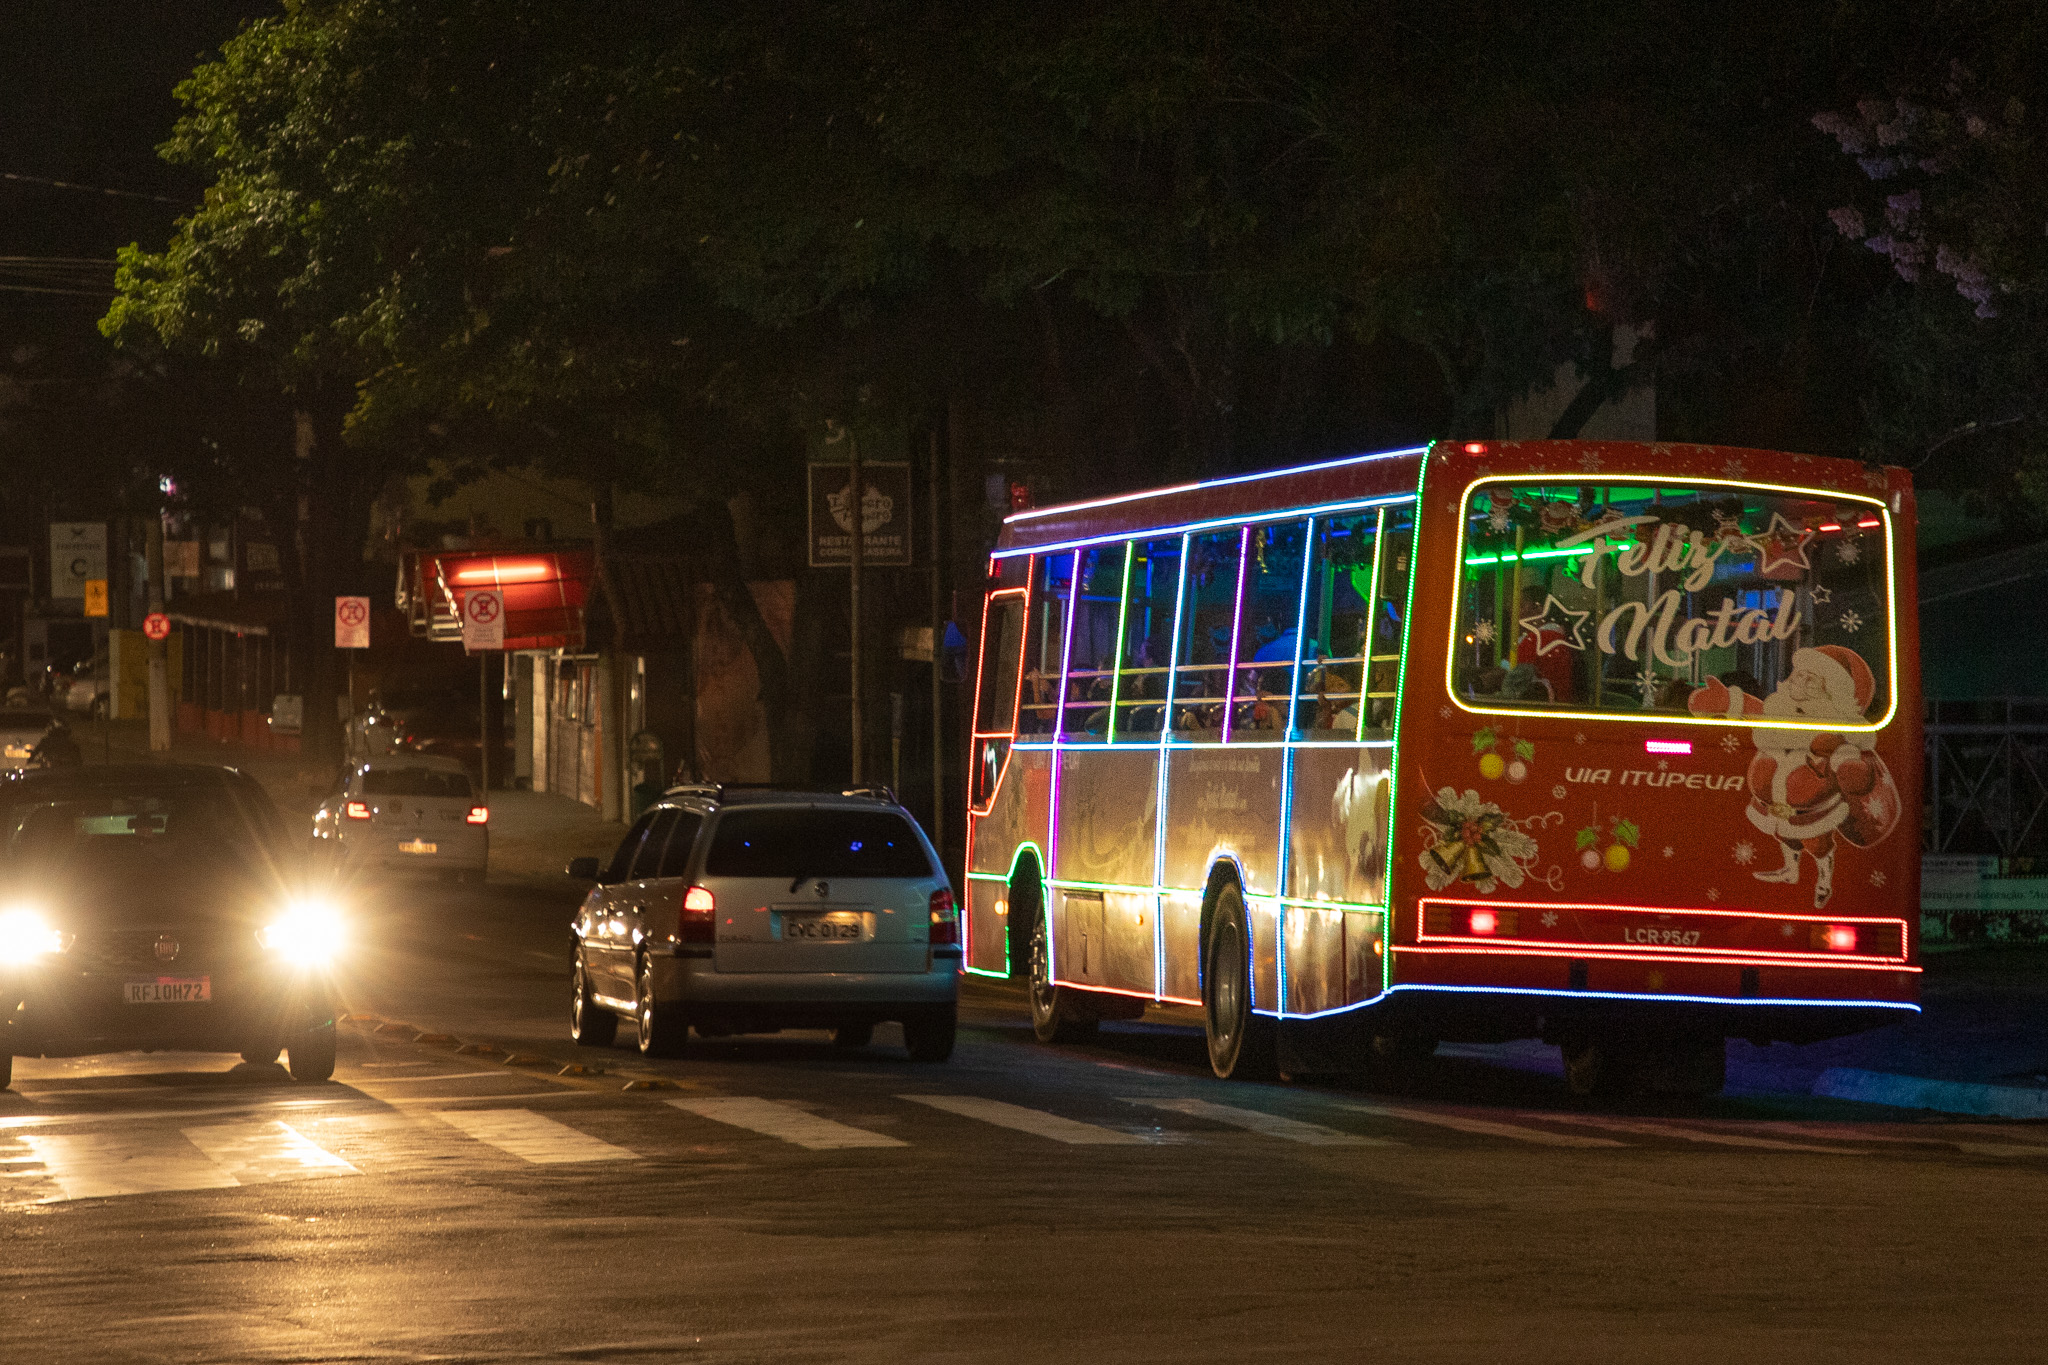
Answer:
(1784, 546)
(1823, 596)
(1569, 626)
(1877, 877)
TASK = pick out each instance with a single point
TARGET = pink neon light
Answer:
(1667, 746)
(1244, 545)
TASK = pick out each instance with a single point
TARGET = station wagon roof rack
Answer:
(717, 791)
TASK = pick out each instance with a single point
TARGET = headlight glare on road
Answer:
(25, 935)
(309, 933)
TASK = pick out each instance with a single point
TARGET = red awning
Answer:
(544, 593)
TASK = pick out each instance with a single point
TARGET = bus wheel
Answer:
(1058, 1014)
(1240, 1042)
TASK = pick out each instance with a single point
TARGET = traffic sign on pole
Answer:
(156, 626)
(351, 623)
(483, 619)
(95, 597)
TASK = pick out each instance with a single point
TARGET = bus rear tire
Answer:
(1241, 1043)
(1058, 1014)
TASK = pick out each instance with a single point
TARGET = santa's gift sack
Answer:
(1873, 813)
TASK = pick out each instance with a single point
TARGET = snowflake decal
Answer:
(1557, 792)
(1877, 876)
(1745, 853)
(1731, 743)
(1848, 552)
(1590, 461)
(1550, 919)
(1663, 764)
(1713, 893)
(1850, 622)
(1444, 712)
(1786, 930)
(1483, 632)
(1669, 850)
(1823, 596)
(1732, 467)
(1579, 738)
(1497, 521)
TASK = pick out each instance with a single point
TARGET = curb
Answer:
(1918, 1092)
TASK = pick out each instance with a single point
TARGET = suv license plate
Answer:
(167, 991)
(418, 846)
(827, 928)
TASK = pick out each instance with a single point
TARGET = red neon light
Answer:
(1540, 906)
(1135, 995)
(1575, 951)
(1823, 937)
(1830, 526)
(1667, 746)
(1475, 447)
(1484, 921)
(1841, 938)
(1869, 522)
(514, 571)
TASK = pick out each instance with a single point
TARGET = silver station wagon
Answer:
(751, 910)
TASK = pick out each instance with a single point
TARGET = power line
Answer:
(91, 189)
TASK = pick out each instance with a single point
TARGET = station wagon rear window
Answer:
(414, 782)
(815, 843)
(1673, 599)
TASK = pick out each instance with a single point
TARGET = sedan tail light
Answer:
(699, 920)
(358, 810)
(479, 815)
(945, 928)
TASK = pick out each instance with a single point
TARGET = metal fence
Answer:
(1987, 780)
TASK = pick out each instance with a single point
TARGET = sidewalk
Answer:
(533, 834)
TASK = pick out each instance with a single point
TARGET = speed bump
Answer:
(528, 1059)
(478, 1050)
(651, 1083)
(579, 1069)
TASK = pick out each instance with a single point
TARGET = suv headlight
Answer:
(26, 935)
(309, 933)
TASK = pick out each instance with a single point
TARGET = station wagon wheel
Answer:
(1240, 1042)
(929, 1036)
(263, 1055)
(660, 1030)
(310, 1057)
(590, 1024)
(1057, 1013)
(6, 1069)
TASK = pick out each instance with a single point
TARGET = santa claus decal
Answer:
(1812, 790)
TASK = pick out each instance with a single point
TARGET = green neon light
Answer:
(1400, 699)
(1123, 611)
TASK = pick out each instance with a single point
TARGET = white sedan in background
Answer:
(407, 813)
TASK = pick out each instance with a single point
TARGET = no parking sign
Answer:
(483, 619)
(351, 623)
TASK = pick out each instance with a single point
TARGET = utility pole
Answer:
(860, 535)
(159, 650)
(938, 645)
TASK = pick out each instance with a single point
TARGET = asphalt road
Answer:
(777, 1198)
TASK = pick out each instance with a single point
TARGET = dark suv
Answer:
(157, 908)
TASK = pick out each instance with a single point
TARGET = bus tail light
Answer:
(1484, 922)
(1836, 938)
(698, 922)
(358, 810)
(945, 927)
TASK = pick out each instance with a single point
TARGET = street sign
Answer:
(483, 619)
(156, 626)
(351, 623)
(78, 551)
(885, 515)
(95, 597)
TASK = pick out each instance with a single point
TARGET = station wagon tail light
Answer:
(358, 810)
(479, 815)
(945, 928)
(699, 919)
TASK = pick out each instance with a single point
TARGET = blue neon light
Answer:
(1214, 523)
(1208, 483)
(1610, 995)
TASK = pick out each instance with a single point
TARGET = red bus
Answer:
(1614, 745)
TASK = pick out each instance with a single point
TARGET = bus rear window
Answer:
(815, 843)
(1701, 600)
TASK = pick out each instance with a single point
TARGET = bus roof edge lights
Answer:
(1119, 498)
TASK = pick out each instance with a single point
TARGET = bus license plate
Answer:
(822, 928)
(167, 991)
(418, 846)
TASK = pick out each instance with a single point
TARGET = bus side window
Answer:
(1045, 642)
(1154, 585)
(1267, 630)
(1389, 614)
(1201, 655)
(995, 715)
(1335, 626)
(1091, 657)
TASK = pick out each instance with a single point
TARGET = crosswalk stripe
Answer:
(531, 1137)
(1483, 1127)
(1270, 1125)
(1035, 1121)
(1715, 1137)
(258, 1153)
(102, 1165)
(778, 1119)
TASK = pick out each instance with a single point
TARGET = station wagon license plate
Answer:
(168, 991)
(419, 846)
(841, 928)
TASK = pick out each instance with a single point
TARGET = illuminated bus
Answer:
(1607, 744)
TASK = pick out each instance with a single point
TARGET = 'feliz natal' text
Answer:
(1675, 550)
